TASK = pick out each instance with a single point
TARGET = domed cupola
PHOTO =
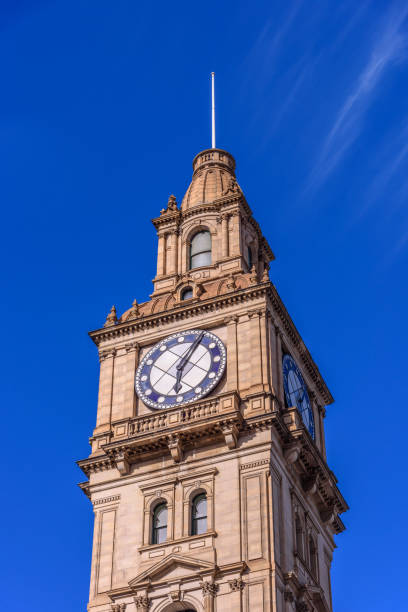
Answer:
(213, 178)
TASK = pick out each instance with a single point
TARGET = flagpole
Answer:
(212, 112)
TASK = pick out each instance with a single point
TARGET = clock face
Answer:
(296, 392)
(180, 369)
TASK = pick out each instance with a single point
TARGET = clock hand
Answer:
(181, 365)
(189, 352)
(177, 386)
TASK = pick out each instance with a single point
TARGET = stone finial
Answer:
(111, 319)
(171, 205)
(134, 311)
(253, 279)
(265, 275)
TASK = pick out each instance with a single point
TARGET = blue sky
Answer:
(103, 106)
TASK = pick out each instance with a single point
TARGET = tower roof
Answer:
(213, 178)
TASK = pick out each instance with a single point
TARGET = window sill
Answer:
(189, 538)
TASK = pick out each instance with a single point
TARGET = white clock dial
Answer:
(181, 369)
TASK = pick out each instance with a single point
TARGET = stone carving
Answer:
(171, 205)
(175, 595)
(118, 607)
(237, 584)
(132, 346)
(209, 588)
(253, 279)
(105, 353)
(232, 187)
(122, 462)
(175, 448)
(231, 283)
(142, 602)
(111, 319)
(134, 311)
(106, 500)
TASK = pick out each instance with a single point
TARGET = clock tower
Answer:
(208, 473)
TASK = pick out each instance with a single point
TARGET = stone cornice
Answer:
(175, 430)
(177, 313)
(219, 303)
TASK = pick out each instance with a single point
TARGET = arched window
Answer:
(299, 537)
(159, 524)
(200, 249)
(312, 556)
(199, 514)
(249, 258)
(187, 293)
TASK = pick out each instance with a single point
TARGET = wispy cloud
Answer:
(261, 59)
(390, 46)
(393, 163)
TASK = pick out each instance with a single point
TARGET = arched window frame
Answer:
(312, 554)
(250, 257)
(190, 491)
(184, 291)
(299, 536)
(198, 231)
(160, 504)
(194, 527)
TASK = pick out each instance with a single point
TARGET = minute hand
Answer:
(190, 351)
(180, 366)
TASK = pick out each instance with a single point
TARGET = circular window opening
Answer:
(187, 293)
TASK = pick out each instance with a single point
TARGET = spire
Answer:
(212, 112)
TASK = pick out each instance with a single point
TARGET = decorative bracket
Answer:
(231, 435)
(122, 462)
(237, 584)
(309, 483)
(175, 448)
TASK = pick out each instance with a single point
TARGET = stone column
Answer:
(232, 353)
(279, 357)
(322, 414)
(235, 247)
(105, 387)
(161, 255)
(209, 592)
(225, 237)
(174, 253)
(265, 350)
(256, 354)
(132, 349)
(235, 599)
(123, 400)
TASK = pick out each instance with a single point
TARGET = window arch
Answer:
(199, 514)
(312, 556)
(249, 258)
(187, 293)
(299, 536)
(200, 249)
(159, 524)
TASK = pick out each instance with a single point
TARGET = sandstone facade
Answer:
(272, 502)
